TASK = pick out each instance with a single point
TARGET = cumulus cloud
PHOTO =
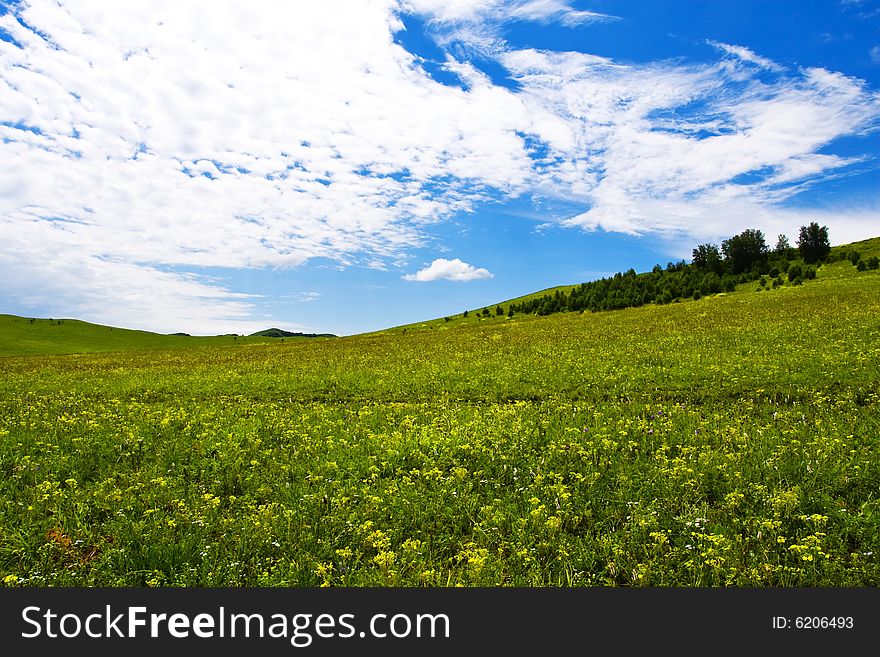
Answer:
(155, 137)
(450, 270)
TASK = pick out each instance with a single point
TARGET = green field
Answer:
(726, 441)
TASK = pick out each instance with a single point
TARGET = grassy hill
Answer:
(22, 336)
(729, 441)
(279, 333)
(837, 269)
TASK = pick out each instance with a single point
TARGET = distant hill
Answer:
(278, 333)
(28, 336)
(838, 266)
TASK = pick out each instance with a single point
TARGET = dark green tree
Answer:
(745, 250)
(707, 257)
(782, 245)
(813, 243)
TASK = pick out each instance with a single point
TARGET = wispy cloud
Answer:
(547, 10)
(450, 270)
(476, 26)
(473, 11)
(306, 297)
(673, 149)
(746, 55)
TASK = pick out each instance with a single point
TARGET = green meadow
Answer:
(728, 441)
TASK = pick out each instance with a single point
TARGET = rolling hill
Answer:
(837, 269)
(730, 441)
(24, 336)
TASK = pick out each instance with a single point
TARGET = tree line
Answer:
(713, 269)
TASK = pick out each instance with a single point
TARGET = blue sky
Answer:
(216, 167)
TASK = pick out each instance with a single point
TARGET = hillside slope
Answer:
(837, 269)
(729, 441)
(23, 336)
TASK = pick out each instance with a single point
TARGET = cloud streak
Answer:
(744, 54)
(499, 11)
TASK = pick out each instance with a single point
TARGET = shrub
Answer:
(794, 272)
(862, 266)
(873, 262)
(854, 257)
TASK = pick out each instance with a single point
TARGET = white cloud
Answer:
(475, 11)
(544, 10)
(450, 270)
(875, 54)
(477, 26)
(746, 55)
(208, 134)
(306, 297)
(662, 148)
(152, 139)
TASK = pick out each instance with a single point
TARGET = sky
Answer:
(221, 166)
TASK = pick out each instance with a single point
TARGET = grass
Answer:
(725, 441)
(23, 336)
